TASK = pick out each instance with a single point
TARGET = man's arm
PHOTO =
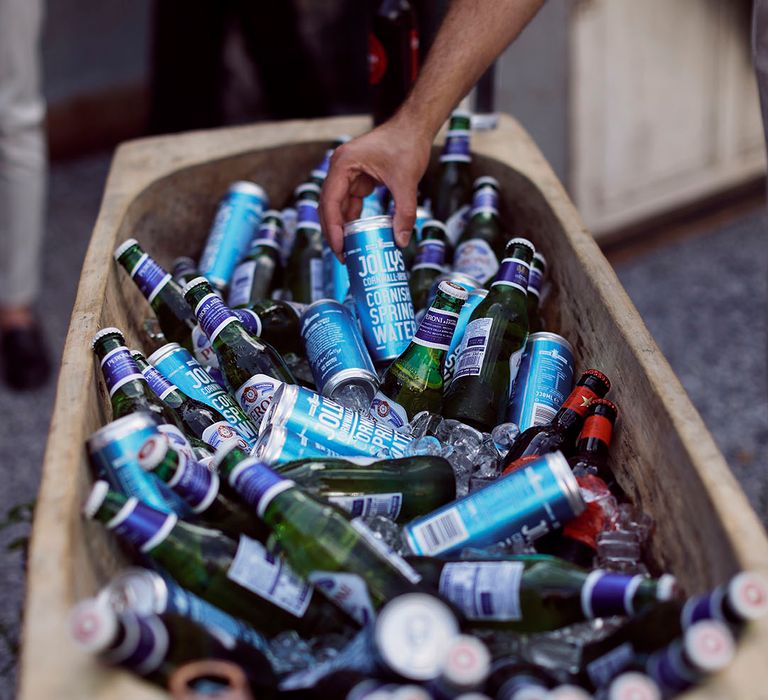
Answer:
(472, 35)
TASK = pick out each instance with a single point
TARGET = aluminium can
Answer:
(519, 507)
(335, 348)
(474, 299)
(331, 425)
(178, 366)
(335, 275)
(543, 382)
(277, 445)
(237, 219)
(379, 286)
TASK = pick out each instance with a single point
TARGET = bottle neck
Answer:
(143, 642)
(166, 391)
(605, 594)
(213, 315)
(511, 276)
(594, 441)
(256, 483)
(148, 276)
(439, 324)
(456, 147)
(121, 373)
(195, 483)
(485, 204)
(430, 254)
(575, 408)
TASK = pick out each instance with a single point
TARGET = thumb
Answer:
(405, 213)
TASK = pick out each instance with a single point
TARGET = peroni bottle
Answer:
(491, 349)
(535, 284)
(183, 270)
(414, 381)
(429, 263)
(161, 290)
(560, 433)
(304, 272)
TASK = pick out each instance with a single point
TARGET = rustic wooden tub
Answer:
(164, 191)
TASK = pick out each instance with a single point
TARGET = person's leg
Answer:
(23, 168)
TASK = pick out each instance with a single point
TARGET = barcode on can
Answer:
(440, 532)
(542, 414)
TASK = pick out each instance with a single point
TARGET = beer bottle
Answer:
(183, 270)
(414, 381)
(154, 646)
(160, 289)
(261, 270)
(492, 347)
(535, 284)
(560, 433)
(320, 172)
(251, 369)
(393, 56)
(536, 593)
(241, 577)
(399, 489)
(453, 190)
(429, 262)
(516, 679)
(304, 273)
(482, 242)
(335, 551)
(200, 487)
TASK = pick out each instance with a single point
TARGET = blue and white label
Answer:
(149, 277)
(269, 234)
(487, 590)
(430, 255)
(257, 484)
(485, 200)
(213, 315)
(369, 505)
(347, 591)
(177, 440)
(456, 224)
(535, 281)
(256, 394)
(474, 299)
(119, 368)
(513, 273)
(436, 329)
(142, 526)
(307, 212)
(388, 411)
(222, 432)
(473, 346)
(269, 576)
(157, 382)
(605, 594)
(250, 320)
(456, 147)
(476, 259)
(241, 284)
(196, 484)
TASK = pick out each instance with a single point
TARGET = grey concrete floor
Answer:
(704, 300)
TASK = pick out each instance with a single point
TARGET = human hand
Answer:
(391, 154)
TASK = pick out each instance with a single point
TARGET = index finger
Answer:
(334, 193)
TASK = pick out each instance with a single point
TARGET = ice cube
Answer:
(425, 423)
(443, 432)
(631, 519)
(354, 397)
(385, 530)
(504, 435)
(619, 550)
(290, 653)
(465, 439)
(426, 445)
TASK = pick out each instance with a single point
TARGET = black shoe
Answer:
(25, 358)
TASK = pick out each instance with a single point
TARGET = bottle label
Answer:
(476, 259)
(157, 382)
(257, 484)
(255, 395)
(269, 234)
(119, 368)
(149, 277)
(436, 329)
(535, 280)
(484, 590)
(392, 557)
(485, 200)
(203, 349)
(347, 591)
(456, 147)
(598, 428)
(213, 315)
(386, 504)
(269, 576)
(150, 645)
(177, 440)
(471, 352)
(604, 594)
(513, 273)
(307, 212)
(317, 290)
(580, 399)
(222, 432)
(196, 484)
(388, 411)
(250, 320)
(241, 283)
(141, 525)
(456, 224)
(431, 255)
(605, 668)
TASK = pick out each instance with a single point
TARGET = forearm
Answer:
(472, 35)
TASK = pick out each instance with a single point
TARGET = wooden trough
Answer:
(164, 191)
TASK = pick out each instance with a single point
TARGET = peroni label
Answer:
(513, 273)
(484, 590)
(255, 395)
(119, 367)
(157, 382)
(388, 411)
(149, 277)
(307, 212)
(436, 329)
(430, 254)
(142, 526)
(196, 484)
(486, 199)
(257, 484)
(213, 315)
(456, 147)
(222, 432)
(476, 259)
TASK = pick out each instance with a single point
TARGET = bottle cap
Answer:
(93, 625)
(604, 402)
(273, 212)
(434, 223)
(666, 587)
(633, 686)
(143, 591)
(125, 245)
(404, 692)
(98, 493)
(306, 187)
(104, 332)
(538, 256)
(520, 241)
(466, 664)
(194, 283)
(248, 187)
(152, 452)
(597, 374)
(485, 180)
(453, 290)
(709, 645)
(748, 595)
(569, 692)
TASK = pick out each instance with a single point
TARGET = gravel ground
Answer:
(704, 300)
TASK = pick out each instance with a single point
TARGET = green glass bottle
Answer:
(252, 369)
(336, 552)
(183, 270)
(200, 487)
(453, 188)
(154, 646)
(399, 489)
(304, 272)
(261, 270)
(482, 242)
(241, 577)
(492, 347)
(161, 290)
(429, 263)
(535, 284)
(536, 593)
(414, 381)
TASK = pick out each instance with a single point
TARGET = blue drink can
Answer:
(335, 349)
(472, 302)
(379, 286)
(335, 275)
(331, 425)
(113, 452)
(277, 445)
(237, 218)
(543, 382)
(178, 366)
(542, 496)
